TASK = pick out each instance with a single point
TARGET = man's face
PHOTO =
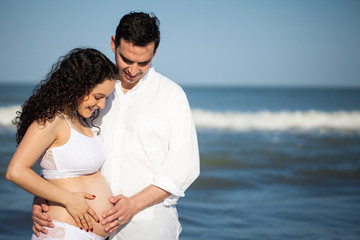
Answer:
(133, 61)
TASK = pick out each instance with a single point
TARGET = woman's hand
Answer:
(81, 212)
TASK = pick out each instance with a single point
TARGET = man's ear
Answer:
(113, 44)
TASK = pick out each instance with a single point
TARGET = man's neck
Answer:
(125, 90)
(127, 87)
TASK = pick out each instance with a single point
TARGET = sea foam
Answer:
(248, 121)
(278, 121)
(7, 114)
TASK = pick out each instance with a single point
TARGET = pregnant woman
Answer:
(51, 129)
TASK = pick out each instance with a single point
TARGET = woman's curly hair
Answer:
(72, 77)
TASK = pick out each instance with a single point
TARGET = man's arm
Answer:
(125, 208)
(40, 219)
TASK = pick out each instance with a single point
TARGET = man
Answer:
(149, 133)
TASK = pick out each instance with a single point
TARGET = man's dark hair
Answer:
(138, 28)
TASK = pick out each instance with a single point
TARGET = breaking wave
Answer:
(7, 114)
(248, 121)
(278, 121)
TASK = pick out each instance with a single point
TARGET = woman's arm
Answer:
(36, 140)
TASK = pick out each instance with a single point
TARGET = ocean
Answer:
(276, 164)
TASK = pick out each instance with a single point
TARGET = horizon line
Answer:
(225, 85)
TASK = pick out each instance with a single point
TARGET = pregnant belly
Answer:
(94, 184)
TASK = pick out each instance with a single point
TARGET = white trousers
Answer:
(157, 222)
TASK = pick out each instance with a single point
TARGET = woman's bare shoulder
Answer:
(53, 125)
(40, 136)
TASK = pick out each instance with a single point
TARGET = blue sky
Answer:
(224, 42)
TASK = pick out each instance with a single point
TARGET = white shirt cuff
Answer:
(167, 185)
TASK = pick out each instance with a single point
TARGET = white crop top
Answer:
(80, 155)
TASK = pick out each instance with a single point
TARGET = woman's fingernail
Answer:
(87, 230)
(94, 196)
(81, 228)
(91, 229)
(98, 221)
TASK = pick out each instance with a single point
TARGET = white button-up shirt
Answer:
(150, 138)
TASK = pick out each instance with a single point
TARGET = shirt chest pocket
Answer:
(152, 133)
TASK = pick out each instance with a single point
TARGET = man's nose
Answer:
(133, 69)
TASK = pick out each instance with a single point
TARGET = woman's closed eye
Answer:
(98, 97)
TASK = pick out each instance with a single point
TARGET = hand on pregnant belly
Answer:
(123, 210)
(79, 209)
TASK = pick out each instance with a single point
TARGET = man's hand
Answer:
(123, 210)
(40, 219)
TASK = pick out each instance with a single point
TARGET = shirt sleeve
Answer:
(182, 165)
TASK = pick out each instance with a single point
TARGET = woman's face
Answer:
(96, 98)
